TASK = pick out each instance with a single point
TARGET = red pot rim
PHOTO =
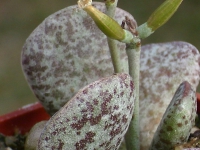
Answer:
(22, 119)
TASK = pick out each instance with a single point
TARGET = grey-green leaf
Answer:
(164, 67)
(97, 117)
(65, 53)
(177, 121)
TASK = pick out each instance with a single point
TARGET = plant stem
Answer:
(132, 136)
(133, 52)
(112, 44)
(115, 55)
(111, 7)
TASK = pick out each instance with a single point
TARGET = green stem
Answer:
(112, 44)
(111, 7)
(144, 31)
(132, 137)
(115, 55)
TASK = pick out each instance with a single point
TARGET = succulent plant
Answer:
(97, 117)
(67, 52)
(164, 67)
(178, 119)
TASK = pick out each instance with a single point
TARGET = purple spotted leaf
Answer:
(164, 67)
(66, 52)
(97, 117)
(178, 119)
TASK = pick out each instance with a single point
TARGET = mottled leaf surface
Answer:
(65, 53)
(177, 121)
(164, 67)
(97, 117)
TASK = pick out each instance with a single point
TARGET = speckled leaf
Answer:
(164, 67)
(57, 62)
(66, 52)
(97, 117)
(177, 121)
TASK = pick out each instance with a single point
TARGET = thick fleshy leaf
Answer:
(66, 52)
(163, 13)
(97, 117)
(177, 121)
(34, 135)
(163, 68)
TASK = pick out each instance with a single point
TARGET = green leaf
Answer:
(163, 13)
(105, 23)
(178, 119)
